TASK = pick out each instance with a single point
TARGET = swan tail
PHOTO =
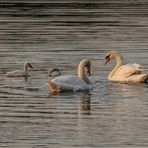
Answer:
(54, 86)
(145, 78)
(142, 78)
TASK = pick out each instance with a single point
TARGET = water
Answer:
(59, 34)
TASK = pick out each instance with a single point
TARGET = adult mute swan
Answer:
(54, 72)
(19, 73)
(72, 82)
(125, 73)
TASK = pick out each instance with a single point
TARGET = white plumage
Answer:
(72, 82)
(128, 70)
(125, 73)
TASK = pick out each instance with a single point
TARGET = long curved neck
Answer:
(81, 73)
(118, 61)
(25, 68)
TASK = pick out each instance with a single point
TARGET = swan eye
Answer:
(107, 57)
(88, 72)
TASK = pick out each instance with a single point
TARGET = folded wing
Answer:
(128, 70)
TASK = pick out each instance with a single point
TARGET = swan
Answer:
(72, 82)
(125, 73)
(19, 73)
(54, 72)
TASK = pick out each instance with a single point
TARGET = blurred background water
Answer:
(59, 33)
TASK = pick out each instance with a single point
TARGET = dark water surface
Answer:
(59, 33)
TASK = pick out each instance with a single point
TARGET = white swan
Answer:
(19, 73)
(125, 73)
(72, 82)
(54, 72)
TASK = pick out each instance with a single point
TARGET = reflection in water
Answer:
(82, 97)
(127, 90)
(84, 104)
(53, 93)
(82, 100)
(26, 78)
(84, 111)
(124, 114)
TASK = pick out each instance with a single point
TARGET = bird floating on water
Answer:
(19, 73)
(73, 82)
(54, 72)
(125, 73)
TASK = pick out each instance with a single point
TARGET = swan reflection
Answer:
(83, 101)
(84, 104)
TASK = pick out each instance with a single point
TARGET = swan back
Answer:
(128, 70)
(68, 83)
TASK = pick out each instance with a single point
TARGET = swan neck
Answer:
(82, 74)
(118, 63)
(25, 68)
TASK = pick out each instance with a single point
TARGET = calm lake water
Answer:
(60, 33)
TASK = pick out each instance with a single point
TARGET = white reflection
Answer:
(84, 104)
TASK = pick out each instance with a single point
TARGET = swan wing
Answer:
(68, 82)
(128, 70)
(138, 78)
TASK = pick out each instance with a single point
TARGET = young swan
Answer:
(19, 73)
(54, 72)
(124, 73)
(72, 82)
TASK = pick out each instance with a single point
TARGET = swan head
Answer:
(54, 72)
(28, 65)
(88, 68)
(110, 55)
(85, 65)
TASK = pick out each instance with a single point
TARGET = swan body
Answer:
(19, 73)
(72, 82)
(54, 72)
(125, 73)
